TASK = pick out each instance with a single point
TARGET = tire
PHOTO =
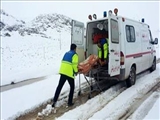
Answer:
(132, 77)
(153, 67)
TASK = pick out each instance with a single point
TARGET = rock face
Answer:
(41, 25)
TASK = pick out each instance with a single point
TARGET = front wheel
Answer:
(132, 77)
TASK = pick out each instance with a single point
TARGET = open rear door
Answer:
(114, 45)
(77, 37)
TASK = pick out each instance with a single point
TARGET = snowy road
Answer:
(30, 81)
(131, 112)
(20, 84)
(98, 107)
(114, 104)
(118, 102)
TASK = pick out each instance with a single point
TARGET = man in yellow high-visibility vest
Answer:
(103, 51)
(68, 70)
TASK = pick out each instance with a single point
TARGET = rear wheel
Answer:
(132, 77)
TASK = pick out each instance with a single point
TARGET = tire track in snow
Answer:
(95, 104)
(132, 94)
(113, 112)
(77, 100)
(93, 108)
(32, 113)
(145, 107)
(142, 106)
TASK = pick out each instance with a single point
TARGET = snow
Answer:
(29, 96)
(141, 112)
(31, 56)
(116, 107)
(9, 19)
(33, 95)
(157, 47)
(93, 105)
(152, 113)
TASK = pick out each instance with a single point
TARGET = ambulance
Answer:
(131, 45)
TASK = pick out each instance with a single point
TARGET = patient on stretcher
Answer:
(85, 66)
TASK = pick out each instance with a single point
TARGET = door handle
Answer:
(116, 60)
(148, 47)
(112, 50)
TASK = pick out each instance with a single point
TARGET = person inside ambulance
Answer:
(102, 46)
(102, 51)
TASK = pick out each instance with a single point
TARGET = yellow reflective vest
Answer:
(103, 51)
(69, 64)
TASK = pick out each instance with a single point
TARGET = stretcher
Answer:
(90, 69)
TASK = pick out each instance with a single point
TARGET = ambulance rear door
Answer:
(114, 45)
(77, 37)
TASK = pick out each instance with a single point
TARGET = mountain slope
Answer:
(44, 25)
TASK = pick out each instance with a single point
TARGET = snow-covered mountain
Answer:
(9, 19)
(30, 50)
(44, 21)
(48, 24)
(42, 25)
(8, 23)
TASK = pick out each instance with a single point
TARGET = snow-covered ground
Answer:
(104, 106)
(31, 96)
(31, 56)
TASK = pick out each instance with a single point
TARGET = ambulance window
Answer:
(78, 34)
(114, 31)
(130, 33)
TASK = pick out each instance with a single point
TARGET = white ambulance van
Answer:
(131, 46)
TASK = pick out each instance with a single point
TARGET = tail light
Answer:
(122, 58)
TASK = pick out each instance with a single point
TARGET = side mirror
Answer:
(156, 41)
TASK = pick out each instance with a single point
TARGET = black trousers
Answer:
(62, 80)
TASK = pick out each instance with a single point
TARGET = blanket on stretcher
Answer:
(85, 66)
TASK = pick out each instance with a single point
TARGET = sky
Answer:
(80, 10)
